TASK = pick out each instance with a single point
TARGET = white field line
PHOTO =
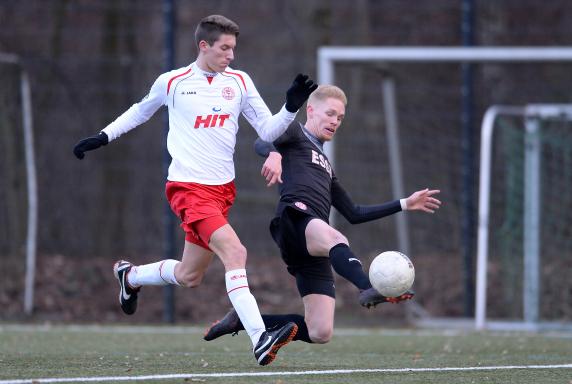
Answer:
(286, 373)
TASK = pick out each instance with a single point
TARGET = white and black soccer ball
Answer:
(391, 273)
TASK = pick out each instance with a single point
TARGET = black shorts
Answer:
(313, 274)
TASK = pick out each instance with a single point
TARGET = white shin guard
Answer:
(159, 273)
(244, 303)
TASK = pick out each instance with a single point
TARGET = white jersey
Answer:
(203, 120)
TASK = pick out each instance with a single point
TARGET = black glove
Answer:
(89, 144)
(299, 92)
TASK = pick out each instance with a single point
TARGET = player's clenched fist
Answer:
(89, 144)
(299, 92)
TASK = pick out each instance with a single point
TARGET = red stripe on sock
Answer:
(234, 289)
(160, 272)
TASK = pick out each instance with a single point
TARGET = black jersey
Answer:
(307, 174)
(310, 184)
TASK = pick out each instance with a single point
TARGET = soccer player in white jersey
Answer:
(205, 100)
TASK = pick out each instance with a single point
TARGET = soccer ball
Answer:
(391, 273)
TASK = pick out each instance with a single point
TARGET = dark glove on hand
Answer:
(89, 144)
(299, 92)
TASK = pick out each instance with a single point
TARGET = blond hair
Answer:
(324, 92)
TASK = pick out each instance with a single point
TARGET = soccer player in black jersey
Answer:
(310, 247)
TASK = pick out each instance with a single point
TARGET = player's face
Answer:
(218, 56)
(325, 117)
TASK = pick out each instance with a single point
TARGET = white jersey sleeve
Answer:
(204, 110)
(269, 127)
(139, 112)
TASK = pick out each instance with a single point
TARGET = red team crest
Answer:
(228, 93)
(301, 205)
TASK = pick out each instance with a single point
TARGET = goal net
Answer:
(524, 267)
(406, 129)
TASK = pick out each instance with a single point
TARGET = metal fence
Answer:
(90, 60)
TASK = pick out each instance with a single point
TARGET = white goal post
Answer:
(31, 179)
(532, 115)
(328, 56)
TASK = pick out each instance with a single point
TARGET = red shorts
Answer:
(202, 208)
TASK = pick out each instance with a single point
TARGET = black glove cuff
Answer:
(103, 138)
(291, 108)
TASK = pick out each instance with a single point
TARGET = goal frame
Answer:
(532, 115)
(31, 179)
(328, 56)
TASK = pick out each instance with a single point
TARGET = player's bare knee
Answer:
(342, 239)
(234, 256)
(321, 335)
(337, 238)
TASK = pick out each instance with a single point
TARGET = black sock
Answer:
(348, 266)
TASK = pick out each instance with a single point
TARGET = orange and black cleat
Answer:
(370, 298)
(406, 296)
(229, 324)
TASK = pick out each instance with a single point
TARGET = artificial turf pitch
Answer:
(178, 354)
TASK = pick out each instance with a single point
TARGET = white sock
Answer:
(244, 303)
(159, 273)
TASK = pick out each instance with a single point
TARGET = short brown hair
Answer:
(324, 92)
(211, 27)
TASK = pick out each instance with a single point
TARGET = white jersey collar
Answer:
(197, 69)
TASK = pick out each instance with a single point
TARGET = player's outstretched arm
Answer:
(268, 126)
(136, 115)
(89, 144)
(299, 92)
(423, 200)
(357, 214)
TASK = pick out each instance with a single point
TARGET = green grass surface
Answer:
(88, 352)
